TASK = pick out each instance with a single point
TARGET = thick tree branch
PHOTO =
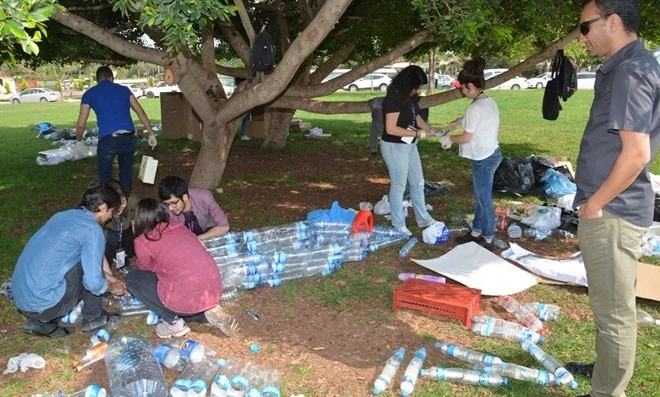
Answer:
(245, 20)
(331, 64)
(235, 40)
(120, 46)
(333, 85)
(305, 11)
(208, 49)
(283, 26)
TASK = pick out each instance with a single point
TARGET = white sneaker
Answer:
(429, 223)
(166, 330)
(245, 138)
(403, 229)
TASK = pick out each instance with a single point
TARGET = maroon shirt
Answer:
(188, 277)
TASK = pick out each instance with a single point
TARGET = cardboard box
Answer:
(178, 118)
(259, 124)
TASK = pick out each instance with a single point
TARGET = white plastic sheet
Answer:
(567, 270)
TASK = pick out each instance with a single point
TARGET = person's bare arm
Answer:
(214, 231)
(137, 108)
(393, 129)
(83, 115)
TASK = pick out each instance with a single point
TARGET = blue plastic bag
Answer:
(335, 214)
(554, 184)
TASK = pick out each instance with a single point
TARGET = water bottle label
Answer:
(450, 350)
(198, 386)
(488, 360)
(251, 246)
(222, 381)
(440, 374)
(248, 235)
(240, 381)
(182, 384)
(94, 391)
(483, 379)
(270, 391)
(103, 335)
(161, 351)
(188, 347)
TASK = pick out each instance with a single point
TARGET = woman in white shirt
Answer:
(478, 142)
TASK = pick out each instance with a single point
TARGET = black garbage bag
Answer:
(656, 209)
(430, 189)
(514, 176)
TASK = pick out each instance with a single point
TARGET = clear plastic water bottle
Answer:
(375, 246)
(467, 355)
(90, 391)
(91, 355)
(191, 350)
(551, 364)
(525, 316)
(74, 315)
(104, 334)
(133, 369)
(507, 333)
(131, 306)
(219, 241)
(539, 377)
(227, 251)
(646, 320)
(391, 366)
(195, 380)
(271, 384)
(169, 357)
(435, 279)
(405, 250)
(464, 376)
(412, 372)
(514, 231)
(227, 370)
(543, 311)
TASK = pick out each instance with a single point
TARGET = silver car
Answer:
(36, 95)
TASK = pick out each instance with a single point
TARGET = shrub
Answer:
(58, 85)
(23, 85)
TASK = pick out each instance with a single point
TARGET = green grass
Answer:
(30, 194)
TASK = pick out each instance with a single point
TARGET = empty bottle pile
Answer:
(273, 255)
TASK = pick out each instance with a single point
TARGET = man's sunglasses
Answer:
(586, 25)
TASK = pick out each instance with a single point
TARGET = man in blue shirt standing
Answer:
(112, 104)
(62, 264)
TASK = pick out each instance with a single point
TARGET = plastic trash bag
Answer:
(383, 206)
(554, 185)
(514, 176)
(437, 233)
(541, 217)
(24, 361)
(335, 213)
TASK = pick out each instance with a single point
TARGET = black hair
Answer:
(408, 79)
(473, 72)
(172, 186)
(100, 193)
(104, 73)
(115, 184)
(627, 10)
(148, 214)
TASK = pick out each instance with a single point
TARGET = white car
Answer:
(443, 81)
(373, 81)
(36, 95)
(539, 81)
(137, 91)
(515, 83)
(586, 80)
(154, 92)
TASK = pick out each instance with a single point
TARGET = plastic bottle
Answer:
(227, 370)
(435, 279)
(540, 377)
(191, 350)
(467, 355)
(405, 250)
(131, 306)
(551, 364)
(519, 335)
(133, 369)
(382, 232)
(373, 247)
(90, 391)
(195, 379)
(104, 334)
(271, 387)
(464, 376)
(525, 316)
(646, 320)
(169, 357)
(412, 372)
(92, 355)
(220, 241)
(74, 314)
(391, 366)
(543, 311)
(514, 231)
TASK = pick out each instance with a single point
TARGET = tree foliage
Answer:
(23, 21)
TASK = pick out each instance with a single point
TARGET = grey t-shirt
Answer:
(627, 97)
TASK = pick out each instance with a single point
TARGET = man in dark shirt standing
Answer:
(615, 196)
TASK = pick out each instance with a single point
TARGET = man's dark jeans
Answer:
(122, 146)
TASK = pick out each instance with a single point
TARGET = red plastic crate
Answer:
(448, 300)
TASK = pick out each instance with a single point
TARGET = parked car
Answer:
(154, 92)
(228, 84)
(36, 95)
(371, 81)
(539, 81)
(443, 81)
(137, 91)
(515, 83)
(586, 80)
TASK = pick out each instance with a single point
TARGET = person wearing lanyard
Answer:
(119, 230)
(403, 126)
(112, 104)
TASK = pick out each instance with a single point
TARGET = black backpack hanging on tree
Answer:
(563, 85)
(262, 56)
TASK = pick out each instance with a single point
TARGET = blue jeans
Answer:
(405, 166)
(483, 172)
(123, 147)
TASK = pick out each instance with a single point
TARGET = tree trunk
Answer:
(278, 130)
(212, 158)
(432, 86)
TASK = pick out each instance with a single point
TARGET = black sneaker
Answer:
(583, 369)
(489, 246)
(466, 238)
(50, 329)
(100, 321)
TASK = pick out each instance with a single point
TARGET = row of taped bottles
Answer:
(273, 255)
